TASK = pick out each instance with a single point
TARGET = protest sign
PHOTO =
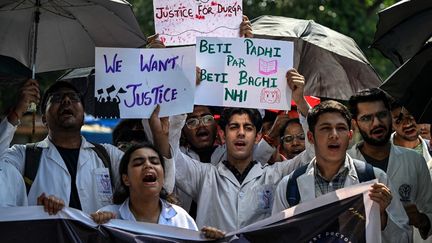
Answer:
(179, 22)
(129, 83)
(242, 72)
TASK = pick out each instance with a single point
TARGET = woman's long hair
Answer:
(122, 191)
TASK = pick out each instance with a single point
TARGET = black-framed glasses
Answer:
(57, 97)
(403, 117)
(194, 122)
(290, 138)
(381, 115)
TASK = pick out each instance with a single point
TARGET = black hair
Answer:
(367, 95)
(122, 191)
(129, 130)
(328, 106)
(54, 88)
(290, 121)
(253, 114)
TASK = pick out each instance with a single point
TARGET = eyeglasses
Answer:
(369, 118)
(57, 97)
(403, 117)
(123, 146)
(290, 138)
(193, 123)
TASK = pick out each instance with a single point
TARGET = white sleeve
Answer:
(263, 152)
(115, 155)
(286, 167)
(280, 202)
(7, 132)
(189, 173)
(15, 156)
(397, 228)
(309, 148)
(424, 191)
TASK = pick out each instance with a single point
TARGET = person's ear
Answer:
(125, 179)
(354, 123)
(44, 121)
(310, 137)
(350, 134)
(258, 137)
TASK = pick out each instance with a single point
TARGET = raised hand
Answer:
(381, 194)
(296, 82)
(246, 28)
(154, 42)
(29, 93)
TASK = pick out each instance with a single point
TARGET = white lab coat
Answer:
(409, 175)
(170, 214)
(262, 153)
(6, 134)
(425, 152)
(53, 177)
(12, 189)
(222, 201)
(397, 229)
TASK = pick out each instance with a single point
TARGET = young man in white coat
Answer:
(406, 169)
(407, 132)
(332, 169)
(237, 191)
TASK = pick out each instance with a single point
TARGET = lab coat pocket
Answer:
(103, 185)
(264, 197)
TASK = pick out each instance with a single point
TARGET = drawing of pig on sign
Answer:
(270, 96)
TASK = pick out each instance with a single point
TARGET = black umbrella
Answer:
(403, 29)
(332, 63)
(411, 84)
(11, 70)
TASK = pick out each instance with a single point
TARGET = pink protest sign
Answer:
(180, 22)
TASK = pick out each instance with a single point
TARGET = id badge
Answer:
(103, 185)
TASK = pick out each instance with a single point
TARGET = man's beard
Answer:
(375, 142)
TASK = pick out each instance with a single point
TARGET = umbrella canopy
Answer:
(12, 70)
(332, 63)
(411, 85)
(403, 29)
(67, 31)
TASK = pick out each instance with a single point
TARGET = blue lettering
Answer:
(116, 65)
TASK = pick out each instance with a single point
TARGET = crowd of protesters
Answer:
(197, 172)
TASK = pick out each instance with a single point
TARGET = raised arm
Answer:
(28, 93)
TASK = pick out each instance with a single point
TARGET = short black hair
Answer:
(290, 121)
(54, 88)
(129, 130)
(367, 95)
(253, 114)
(328, 106)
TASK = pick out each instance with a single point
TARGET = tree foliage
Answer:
(355, 18)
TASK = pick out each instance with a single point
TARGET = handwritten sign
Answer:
(179, 22)
(242, 72)
(131, 82)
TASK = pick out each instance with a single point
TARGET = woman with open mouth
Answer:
(141, 195)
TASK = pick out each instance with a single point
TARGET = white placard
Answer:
(129, 82)
(179, 22)
(243, 72)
